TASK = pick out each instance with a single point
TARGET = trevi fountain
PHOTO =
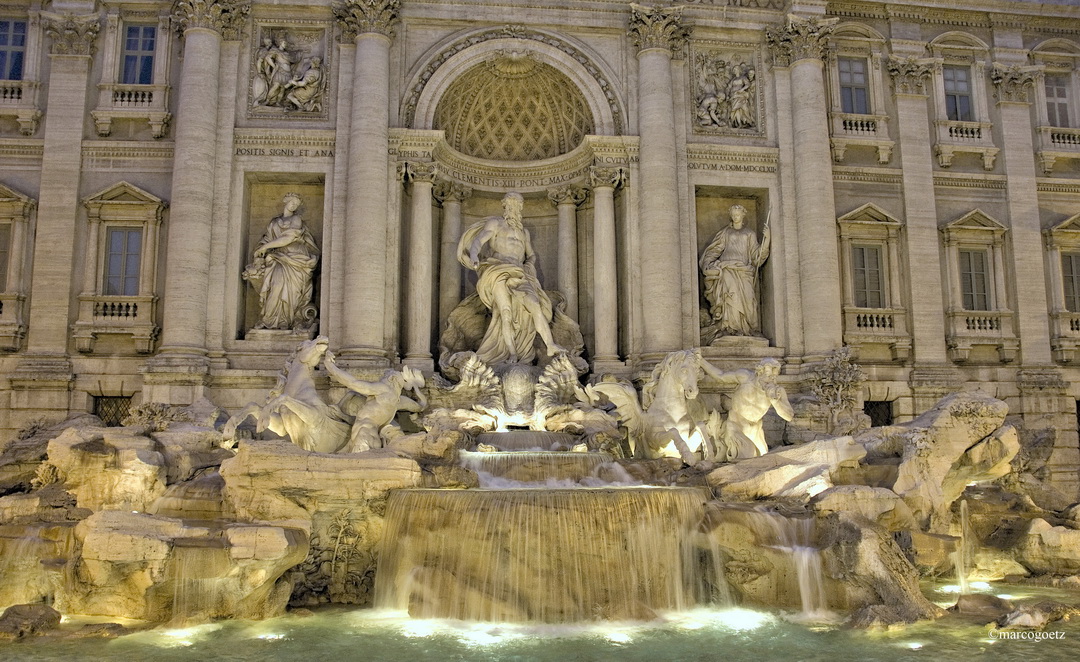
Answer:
(512, 506)
(466, 468)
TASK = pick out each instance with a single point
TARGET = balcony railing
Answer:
(18, 99)
(851, 129)
(118, 101)
(124, 315)
(995, 328)
(878, 326)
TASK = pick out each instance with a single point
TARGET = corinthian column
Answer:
(70, 54)
(657, 31)
(202, 23)
(421, 258)
(801, 46)
(605, 271)
(368, 23)
(927, 318)
(566, 200)
(451, 195)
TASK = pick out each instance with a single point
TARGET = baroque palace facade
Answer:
(909, 171)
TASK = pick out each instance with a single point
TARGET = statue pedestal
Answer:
(277, 338)
(738, 352)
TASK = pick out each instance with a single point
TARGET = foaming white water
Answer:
(552, 469)
(794, 535)
(543, 555)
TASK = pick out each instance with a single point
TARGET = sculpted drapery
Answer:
(284, 263)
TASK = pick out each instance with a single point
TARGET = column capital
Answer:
(800, 39)
(448, 191)
(610, 177)
(1013, 82)
(567, 194)
(357, 17)
(226, 17)
(909, 75)
(421, 172)
(71, 34)
(657, 27)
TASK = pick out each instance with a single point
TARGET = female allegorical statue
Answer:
(730, 265)
(284, 262)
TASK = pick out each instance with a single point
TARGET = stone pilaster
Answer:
(604, 181)
(46, 368)
(451, 195)
(202, 24)
(1012, 86)
(1049, 411)
(801, 45)
(369, 24)
(421, 269)
(657, 32)
(566, 199)
(922, 244)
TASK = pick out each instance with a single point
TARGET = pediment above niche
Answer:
(513, 107)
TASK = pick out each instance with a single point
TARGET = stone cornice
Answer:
(909, 75)
(226, 17)
(357, 17)
(1013, 82)
(963, 180)
(1046, 185)
(657, 27)
(868, 175)
(800, 39)
(70, 34)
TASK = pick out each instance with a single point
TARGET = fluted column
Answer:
(369, 23)
(926, 320)
(421, 261)
(451, 195)
(566, 200)
(656, 31)
(1014, 92)
(202, 23)
(70, 53)
(801, 46)
(605, 270)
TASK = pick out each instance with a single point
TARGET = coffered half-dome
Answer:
(513, 108)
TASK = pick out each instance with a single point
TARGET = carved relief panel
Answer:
(726, 90)
(289, 75)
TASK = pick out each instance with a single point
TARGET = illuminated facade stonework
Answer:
(918, 168)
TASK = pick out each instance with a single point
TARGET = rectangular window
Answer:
(974, 280)
(869, 285)
(958, 93)
(1057, 100)
(5, 253)
(854, 89)
(122, 261)
(1070, 276)
(879, 411)
(138, 56)
(12, 49)
(112, 409)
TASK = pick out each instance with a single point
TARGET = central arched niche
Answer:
(513, 107)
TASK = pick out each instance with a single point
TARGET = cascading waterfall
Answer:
(964, 553)
(542, 555)
(794, 535)
(198, 566)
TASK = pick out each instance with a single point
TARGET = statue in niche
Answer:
(730, 265)
(282, 271)
(361, 420)
(500, 251)
(741, 435)
(288, 77)
(373, 405)
(725, 93)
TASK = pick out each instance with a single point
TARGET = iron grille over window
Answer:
(112, 409)
(879, 411)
